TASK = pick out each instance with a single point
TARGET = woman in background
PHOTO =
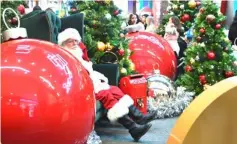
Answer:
(173, 31)
(150, 24)
(134, 24)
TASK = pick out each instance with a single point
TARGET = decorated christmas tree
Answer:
(10, 17)
(186, 10)
(208, 59)
(103, 37)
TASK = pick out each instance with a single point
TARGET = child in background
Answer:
(172, 34)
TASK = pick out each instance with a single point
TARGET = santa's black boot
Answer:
(139, 117)
(136, 130)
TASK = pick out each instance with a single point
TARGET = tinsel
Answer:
(172, 106)
(94, 138)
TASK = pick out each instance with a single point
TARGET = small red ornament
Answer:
(202, 30)
(14, 21)
(188, 68)
(211, 55)
(121, 52)
(116, 12)
(202, 79)
(185, 17)
(198, 3)
(218, 26)
(229, 74)
(21, 9)
(201, 10)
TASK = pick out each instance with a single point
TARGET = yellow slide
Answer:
(211, 118)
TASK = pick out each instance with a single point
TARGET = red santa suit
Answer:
(112, 98)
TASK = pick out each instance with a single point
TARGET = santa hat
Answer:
(69, 33)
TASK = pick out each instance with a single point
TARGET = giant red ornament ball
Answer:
(46, 95)
(151, 51)
(211, 55)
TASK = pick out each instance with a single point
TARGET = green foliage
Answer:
(212, 40)
(102, 24)
(9, 14)
(179, 8)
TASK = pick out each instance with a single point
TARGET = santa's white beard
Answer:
(76, 52)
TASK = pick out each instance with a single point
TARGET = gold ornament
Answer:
(132, 66)
(210, 18)
(101, 46)
(107, 1)
(123, 71)
(108, 46)
(192, 60)
(192, 4)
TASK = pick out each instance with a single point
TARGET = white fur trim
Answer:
(116, 112)
(120, 108)
(67, 34)
(126, 101)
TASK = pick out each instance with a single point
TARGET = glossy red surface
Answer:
(151, 52)
(46, 95)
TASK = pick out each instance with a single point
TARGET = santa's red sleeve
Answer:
(84, 50)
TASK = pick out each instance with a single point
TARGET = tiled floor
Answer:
(116, 134)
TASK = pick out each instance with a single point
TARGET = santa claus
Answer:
(119, 105)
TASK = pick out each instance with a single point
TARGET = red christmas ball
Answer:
(188, 68)
(183, 19)
(21, 9)
(218, 26)
(116, 12)
(202, 30)
(186, 17)
(14, 21)
(202, 79)
(198, 3)
(151, 51)
(211, 55)
(47, 96)
(121, 52)
(229, 74)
